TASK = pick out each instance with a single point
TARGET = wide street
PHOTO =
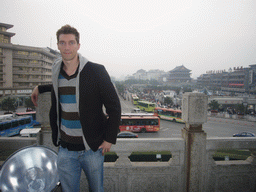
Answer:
(215, 127)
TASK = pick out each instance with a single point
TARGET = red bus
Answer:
(139, 123)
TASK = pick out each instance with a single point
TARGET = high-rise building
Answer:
(22, 67)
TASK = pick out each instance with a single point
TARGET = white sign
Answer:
(24, 91)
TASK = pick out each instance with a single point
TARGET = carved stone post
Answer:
(194, 114)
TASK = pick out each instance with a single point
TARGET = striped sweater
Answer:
(71, 129)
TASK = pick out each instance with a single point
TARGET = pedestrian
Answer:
(79, 125)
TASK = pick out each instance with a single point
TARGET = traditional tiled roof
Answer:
(180, 68)
(7, 26)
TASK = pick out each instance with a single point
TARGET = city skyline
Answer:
(128, 36)
(206, 72)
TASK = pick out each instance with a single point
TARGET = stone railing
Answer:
(124, 175)
(191, 167)
(231, 175)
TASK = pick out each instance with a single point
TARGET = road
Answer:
(214, 127)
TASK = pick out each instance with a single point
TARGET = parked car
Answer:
(244, 134)
(127, 134)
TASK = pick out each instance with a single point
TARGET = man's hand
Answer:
(34, 95)
(105, 146)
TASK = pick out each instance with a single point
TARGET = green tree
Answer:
(29, 103)
(120, 87)
(214, 105)
(168, 101)
(240, 108)
(8, 104)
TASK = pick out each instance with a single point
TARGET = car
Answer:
(244, 134)
(127, 134)
(136, 110)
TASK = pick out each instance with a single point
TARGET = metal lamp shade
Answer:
(32, 169)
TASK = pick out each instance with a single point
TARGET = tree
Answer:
(29, 103)
(214, 105)
(240, 108)
(120, 87)
(8, 104)
(168, 101)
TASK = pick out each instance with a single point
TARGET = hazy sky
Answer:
(128, 35)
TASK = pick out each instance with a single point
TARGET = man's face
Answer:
(68, 47)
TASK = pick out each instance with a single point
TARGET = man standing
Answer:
(79, 126)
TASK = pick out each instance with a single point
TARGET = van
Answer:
(30, 132)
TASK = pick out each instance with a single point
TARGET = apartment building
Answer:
(22, 67)
(237, 80)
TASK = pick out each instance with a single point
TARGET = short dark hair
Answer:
(67, 29)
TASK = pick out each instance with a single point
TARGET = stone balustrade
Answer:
(124, 175)
(191, 168)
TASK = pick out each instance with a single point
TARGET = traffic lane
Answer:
(168, 129)
(226, 128)
(219, 128)
(126, 105)
(238, 122)
(215, 127)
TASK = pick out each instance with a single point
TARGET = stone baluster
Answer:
(176, 158)
(123, 159)
(252, 158)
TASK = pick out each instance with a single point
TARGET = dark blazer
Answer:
(95, 91)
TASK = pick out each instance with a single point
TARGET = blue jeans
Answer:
(70, 165)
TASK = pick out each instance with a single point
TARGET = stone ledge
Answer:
(237, 162)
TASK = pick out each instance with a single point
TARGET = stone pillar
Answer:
(42, 116)
(194, 114)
